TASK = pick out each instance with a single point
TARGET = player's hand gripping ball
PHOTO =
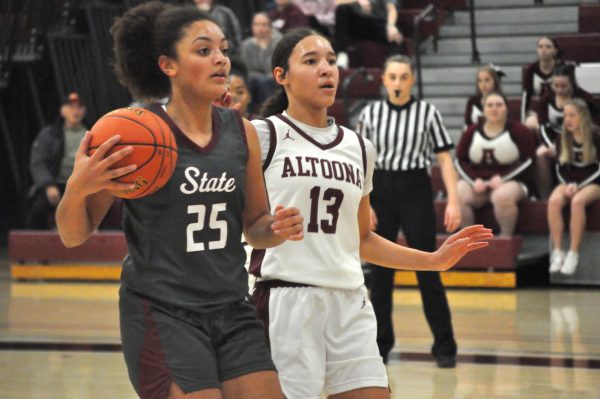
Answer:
(154, 148)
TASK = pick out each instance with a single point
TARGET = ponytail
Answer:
(275, 104)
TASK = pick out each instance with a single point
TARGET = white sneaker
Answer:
(342, 60)
(570, 263)
(557, 259)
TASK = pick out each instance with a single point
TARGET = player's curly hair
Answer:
(143, 34)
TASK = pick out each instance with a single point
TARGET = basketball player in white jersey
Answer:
(311, 294)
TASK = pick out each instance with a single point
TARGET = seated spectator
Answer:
(493, 160)
(578, 172)
(240, 94)
(52, 159)
(536, 81)
(365, 20)
(488, 80)
(548, 120)
(320, 14)
(227, 21)
(286, 16)
(256, 53)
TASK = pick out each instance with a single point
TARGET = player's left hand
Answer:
(459, 244)
(288, 223)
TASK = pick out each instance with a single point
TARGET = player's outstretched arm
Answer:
(261, 228)
(377, 250)
(87, 198)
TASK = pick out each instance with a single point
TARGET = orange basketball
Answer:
(154, 148)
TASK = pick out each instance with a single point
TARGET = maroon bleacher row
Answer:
(45, 247)
(532, 213)
(109, 245)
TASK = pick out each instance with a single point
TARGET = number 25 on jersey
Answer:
(214, 224)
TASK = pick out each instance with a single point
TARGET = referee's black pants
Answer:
(405, 200)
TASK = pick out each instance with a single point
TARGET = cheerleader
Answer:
(578, 171)
(493, 159)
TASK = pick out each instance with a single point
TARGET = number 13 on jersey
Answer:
(335, 197)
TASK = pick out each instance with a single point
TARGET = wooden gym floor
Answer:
(61, 340)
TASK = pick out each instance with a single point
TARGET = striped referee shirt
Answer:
(404, 136)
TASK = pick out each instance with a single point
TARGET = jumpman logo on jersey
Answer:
(287, 136)
(364, 302)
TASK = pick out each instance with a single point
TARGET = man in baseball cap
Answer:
(52, 159)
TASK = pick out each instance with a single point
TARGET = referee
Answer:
(405, 131)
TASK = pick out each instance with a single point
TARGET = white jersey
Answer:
(324, 172)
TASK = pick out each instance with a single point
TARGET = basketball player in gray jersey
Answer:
(187, 328)
(208, 184)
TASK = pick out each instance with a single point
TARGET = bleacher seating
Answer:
(40, 255)
(588, 77)
(500, 255)
(452, 5)
(514, 108)
(532, 217)
(445, 5)
(337, 111)
(369, 54)
(427, 27)
(589, 18)
(361, 87)
(496, 265)
(531, 234)
(532, 213)
(582, 47)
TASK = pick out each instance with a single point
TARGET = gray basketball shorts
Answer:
(197, 351)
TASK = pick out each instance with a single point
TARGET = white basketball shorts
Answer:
(324, 340)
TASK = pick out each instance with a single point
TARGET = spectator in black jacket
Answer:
(52, 159)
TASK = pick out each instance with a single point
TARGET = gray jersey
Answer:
(185, 240)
